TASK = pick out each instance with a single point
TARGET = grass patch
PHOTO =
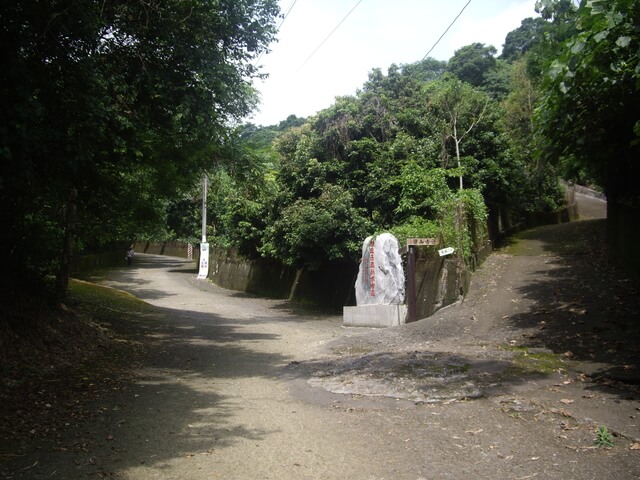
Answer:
(526, 362)
(101, 300)
(113, 309)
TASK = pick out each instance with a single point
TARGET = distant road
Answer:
(590, 208)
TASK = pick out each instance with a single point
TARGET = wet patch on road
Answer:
(420, 377)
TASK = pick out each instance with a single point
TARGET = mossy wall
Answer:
(260, 277)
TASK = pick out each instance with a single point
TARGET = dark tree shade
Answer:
(589, 112)
(123, 102)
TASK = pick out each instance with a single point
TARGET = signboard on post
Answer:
(203, 272)
(418, 242)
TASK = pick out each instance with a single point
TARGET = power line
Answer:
(279, 26)
(287, 14)
(329, 36)
(445, 32)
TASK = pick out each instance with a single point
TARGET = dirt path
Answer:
(511, 384)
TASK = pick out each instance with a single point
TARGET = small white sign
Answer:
(446, 251)
(203, 271)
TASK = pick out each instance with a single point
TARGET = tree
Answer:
(315, 231)
(111, 108)
(389, 157)
(424, 192)
(243, 190)
(522, 39)
(529, 184)
(497, 81)
(471, 63)
(559, 18)
(590, 109)
(459, 109)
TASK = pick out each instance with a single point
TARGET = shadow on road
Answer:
(584, 308)
(175, 407)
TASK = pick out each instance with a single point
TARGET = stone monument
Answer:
(381, 276)
(379, 286)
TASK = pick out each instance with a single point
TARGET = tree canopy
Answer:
(587, 118)
(471, 63)
(113, 110)
(394, 156)
(112, 107)
(519, 41)
(591, 103)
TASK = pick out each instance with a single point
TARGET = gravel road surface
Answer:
(511, 384)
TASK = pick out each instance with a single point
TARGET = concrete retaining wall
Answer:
(260, 277)
(330, 287)
(172, 248)
(440, 281)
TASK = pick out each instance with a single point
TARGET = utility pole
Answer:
(203, 271)
(205, 187)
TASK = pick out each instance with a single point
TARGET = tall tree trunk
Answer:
(62, 277)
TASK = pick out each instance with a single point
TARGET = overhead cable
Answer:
(445, 32)
(287, 14)
(329, 36)
(279, 26)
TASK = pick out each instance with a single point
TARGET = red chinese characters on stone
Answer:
(372, 269)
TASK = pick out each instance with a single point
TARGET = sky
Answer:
(376, 34)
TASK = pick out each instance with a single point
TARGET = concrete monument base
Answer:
(374, 316)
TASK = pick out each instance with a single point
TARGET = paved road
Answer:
(590, 208)
(221, 397)
(214, 403)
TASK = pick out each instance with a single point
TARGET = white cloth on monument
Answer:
(380, 279)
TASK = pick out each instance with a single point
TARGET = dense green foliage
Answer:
(589, 116)
(420, 151)
(472, 63)
(587, 119)
(429, 149)
(432, 148)
(111, 109)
